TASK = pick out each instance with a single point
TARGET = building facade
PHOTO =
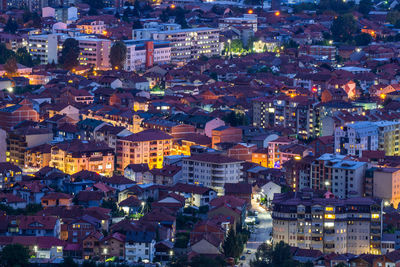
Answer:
(327, 224)
(211, 170)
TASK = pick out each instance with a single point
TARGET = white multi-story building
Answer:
(342, 177)
(248, 21)
(188, 44)
(44, 47)
(353, 138)
(141, 53)
(212, 170)
(151, 27)
(365, 135)
(139, 245)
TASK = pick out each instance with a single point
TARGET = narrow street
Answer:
(261, 233)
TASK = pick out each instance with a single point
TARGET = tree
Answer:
(236, 46)
(365, 7)
(343, 27)
(11, 26)
(137, 25)
(68, 262)
(231, 245)
(11, 67)
(363, 39)
(96, 4)
(204, 261)
(118, 55)
(14, 255)
(70, 53)
(279, 255)
(93, 11)
(24, 58)
(5, 53)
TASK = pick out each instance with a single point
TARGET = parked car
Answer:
(243, 258)
(248, 251)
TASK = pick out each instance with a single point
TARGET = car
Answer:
(248, 251)
(243, 258)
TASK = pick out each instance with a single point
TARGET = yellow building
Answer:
(149, 146)
(72, 157)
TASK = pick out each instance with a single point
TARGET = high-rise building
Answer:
(341, 177)
(149, 146)
(328, 224)
(212, 170)
(298, 113)
(44, 47)
(355, 137)
(146, 53)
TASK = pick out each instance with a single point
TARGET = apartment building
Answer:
(328, 224)
(94, 52)
(188, 44)
(211, 170)
(355, 137)
(44, 47)
(322, 52)
(383, 183)
(274, 159)
(12, 115)
(248, 21)
(148, 146)
(75, 156)
(91, 26)
(344, 178)
(140, 245)
(146, 53)
(298, 113)
(13, 41)
(18, 141)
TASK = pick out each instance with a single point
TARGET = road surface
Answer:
(261, 234)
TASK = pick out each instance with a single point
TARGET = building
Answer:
(44, 47)
(148, 146)
(21, 140)
(9, 174)
(13, 41)
(383, 183)
(91, 26)
(94, 52)
(14, 114)
(225, 134)
(146, 53)
(298, 113)
(140, 245)
(248, 21)
(274, 158)
(188, 44)
(322, 52)
(74, 156)
(355, 137)
(344, 178)
(212, 170)
(327, 224)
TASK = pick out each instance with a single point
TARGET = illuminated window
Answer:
(329, 216)
(375, 216)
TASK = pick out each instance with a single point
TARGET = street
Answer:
(261, 234)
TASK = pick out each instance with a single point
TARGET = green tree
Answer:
(231, 245)
(363, 39)
(137, 25)
(11, 67)
(70, 53)
(343, 27)
(270, 256)
(96, 4)
(341, 265)
(204, 261)
(5, 53)
(365, 6)
(14, 255)
(24, 58)
(11, 26)
(236, 46)
(68, 262)
(118, 55)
